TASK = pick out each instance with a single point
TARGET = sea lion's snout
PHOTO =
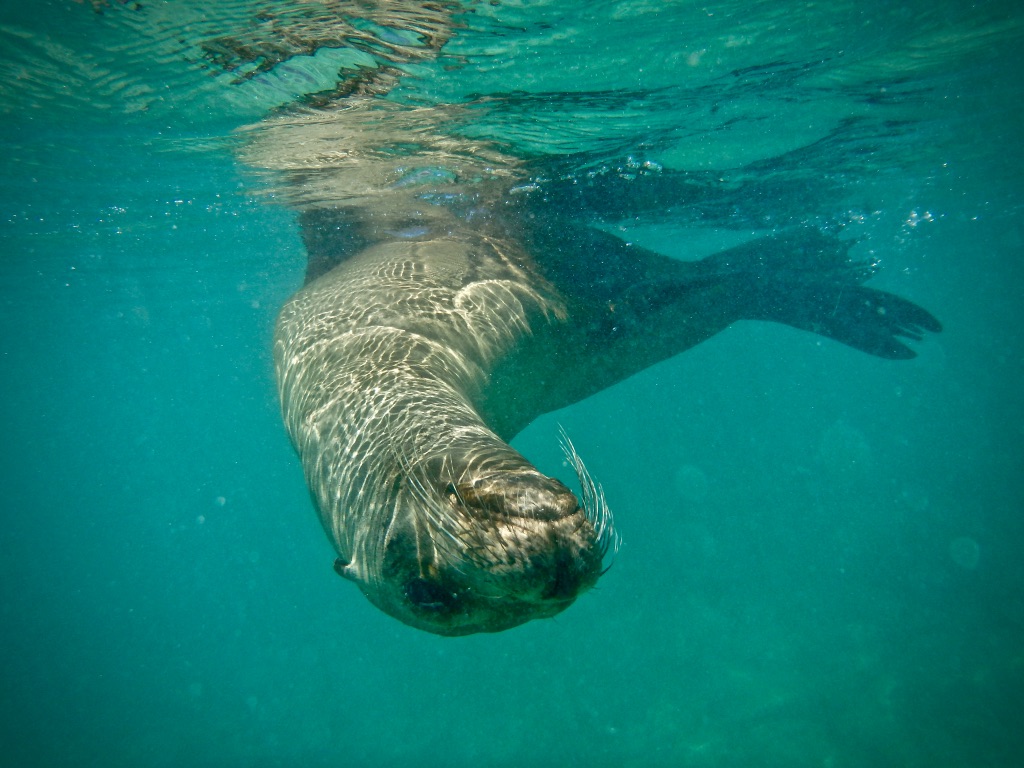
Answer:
(509, 548)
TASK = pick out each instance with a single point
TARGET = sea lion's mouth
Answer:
(429, 596)
(437, 607)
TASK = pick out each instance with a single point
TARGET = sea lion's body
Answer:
(414, 353)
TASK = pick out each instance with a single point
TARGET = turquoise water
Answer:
(822, 550)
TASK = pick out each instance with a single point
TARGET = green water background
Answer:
(823, 551)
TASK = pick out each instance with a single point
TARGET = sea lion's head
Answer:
(488, 552)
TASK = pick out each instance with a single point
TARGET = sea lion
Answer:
(451, 300)
(455, 291)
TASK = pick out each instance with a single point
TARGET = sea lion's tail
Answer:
(808, 281)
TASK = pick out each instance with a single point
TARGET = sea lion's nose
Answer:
(567, 577)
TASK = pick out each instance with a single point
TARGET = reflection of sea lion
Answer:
(436, 325)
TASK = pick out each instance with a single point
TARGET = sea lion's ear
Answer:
(343, 569)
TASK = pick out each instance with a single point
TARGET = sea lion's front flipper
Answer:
(620, 191)
(630, 307)
(331, 235)
(642, 191)
(806, 279)
(627, 308)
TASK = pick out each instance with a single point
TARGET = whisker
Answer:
(595, 505)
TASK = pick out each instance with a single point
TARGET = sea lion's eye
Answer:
(429, 595)
(451, 492)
